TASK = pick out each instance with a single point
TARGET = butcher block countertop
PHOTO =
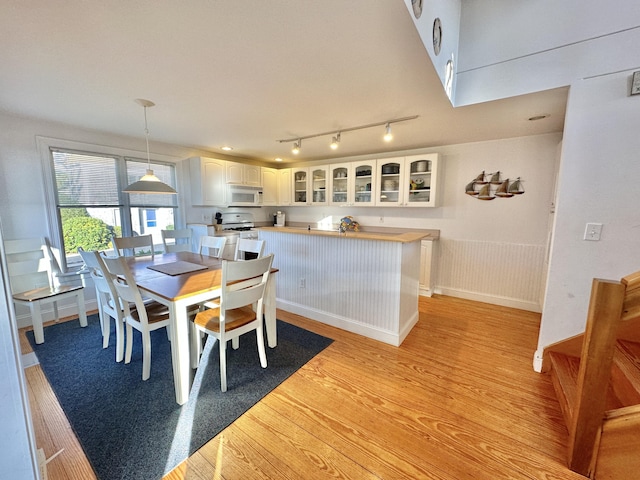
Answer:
(402, 235)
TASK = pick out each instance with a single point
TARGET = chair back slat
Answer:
(249, 245)
(214, 245)
(244, 283)
(125, 285)
(181, 240)
(134, 246)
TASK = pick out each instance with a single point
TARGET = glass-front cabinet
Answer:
(340, 184)
(319, 184)
(420, 186)
(300, 185)
(386, 182)
(352, 183)
(389, 175)
(364, 182)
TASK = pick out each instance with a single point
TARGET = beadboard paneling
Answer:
(360, 285)
(502, 273)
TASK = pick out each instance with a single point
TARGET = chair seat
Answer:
(44, 292)
(210, 319)
(157, 312)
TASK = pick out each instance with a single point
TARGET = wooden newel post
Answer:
(603, 319)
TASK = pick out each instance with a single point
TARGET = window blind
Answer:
(85, 179)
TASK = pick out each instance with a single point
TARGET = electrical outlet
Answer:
(593, 232)
(303, 283)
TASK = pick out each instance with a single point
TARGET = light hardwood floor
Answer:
(458, 400)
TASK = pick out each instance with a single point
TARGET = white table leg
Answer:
(270, 311)
(180, 351)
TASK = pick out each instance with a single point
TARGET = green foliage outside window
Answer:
(81, 230)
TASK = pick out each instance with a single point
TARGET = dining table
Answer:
(182, 279)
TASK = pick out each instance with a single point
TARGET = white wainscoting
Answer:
(369, 287)
(499, 273)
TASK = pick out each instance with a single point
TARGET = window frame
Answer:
(122, 156)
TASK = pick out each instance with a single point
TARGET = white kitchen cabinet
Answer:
(352, 183)
(389, 177)
(420, 186)
(284, 187)
(318, 182)
(243, 174)
(269, 187)
(407, 181)
(300, 185)
(208, 181)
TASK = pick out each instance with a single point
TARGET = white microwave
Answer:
(244, 196)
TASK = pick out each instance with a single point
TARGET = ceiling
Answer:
(244, 74)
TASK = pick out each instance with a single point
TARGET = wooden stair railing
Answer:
(604, 430)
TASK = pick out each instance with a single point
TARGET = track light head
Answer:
(335, 141)
(296, 147)
(388, 136)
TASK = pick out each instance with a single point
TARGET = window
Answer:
(91, 207)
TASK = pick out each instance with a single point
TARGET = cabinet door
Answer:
(420, 180)
(208, 181)
(284, 186)
(389, 176)
(364, 184)
(319, 184)
(300, 186)
(252, 175)
(269, 186)
(235, 173)
(341, 184)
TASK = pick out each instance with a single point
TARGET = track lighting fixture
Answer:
(388, 136)
(335, 140)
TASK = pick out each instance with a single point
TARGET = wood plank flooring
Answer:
(458, 400)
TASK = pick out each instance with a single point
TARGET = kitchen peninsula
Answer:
(365, 282)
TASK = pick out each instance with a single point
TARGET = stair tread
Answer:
(564, 374)
(625, 376)
(565, 370)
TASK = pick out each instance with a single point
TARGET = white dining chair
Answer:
(214, 245)
(248, 245)
(109, 304)
(240, 310)
(144, 317)
(180, 240)
(134, 246)
(34, 276)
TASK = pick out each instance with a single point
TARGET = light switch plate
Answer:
(593, 232)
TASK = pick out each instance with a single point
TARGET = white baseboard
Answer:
(492, 299)
(350, 325)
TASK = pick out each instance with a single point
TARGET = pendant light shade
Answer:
(148, 183)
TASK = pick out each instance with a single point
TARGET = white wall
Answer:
(512, 48)
(597, 183)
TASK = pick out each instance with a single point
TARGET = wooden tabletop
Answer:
(175, 287)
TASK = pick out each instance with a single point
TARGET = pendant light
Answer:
(149, 183)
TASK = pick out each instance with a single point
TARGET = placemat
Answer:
(177, 268)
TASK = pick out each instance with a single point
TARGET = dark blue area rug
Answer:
(134, 429)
